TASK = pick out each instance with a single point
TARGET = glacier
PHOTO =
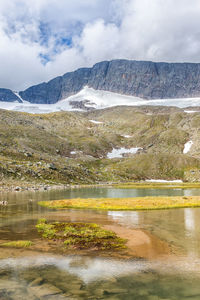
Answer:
(96, 99)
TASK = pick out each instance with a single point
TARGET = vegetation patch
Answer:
(17, 244)
(138, 203)
(80, 235)
(156, 185)
(76, 151)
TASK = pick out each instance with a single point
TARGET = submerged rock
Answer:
(44, 290)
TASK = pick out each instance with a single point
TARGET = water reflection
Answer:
(91, 269)
(136, 279)
(125, 218)
(189, 220)
(92, 278)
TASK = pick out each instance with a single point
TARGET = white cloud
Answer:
(158, 30)
(99, 41)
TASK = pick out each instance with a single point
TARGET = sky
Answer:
(42, 39)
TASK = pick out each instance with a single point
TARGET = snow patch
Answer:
(164, 181)
(95, 122)
(126, 136)
(76, 152)
(187, 147)
(38, 108)
(18, 95)
(118, 153)
(191, 111)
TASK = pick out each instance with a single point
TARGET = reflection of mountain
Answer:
(130, 218)
(189, 220)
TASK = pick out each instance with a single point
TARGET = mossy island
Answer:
(79, 236)
(138, 203)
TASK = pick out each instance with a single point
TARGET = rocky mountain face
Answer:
(148, 80)
(8, 96)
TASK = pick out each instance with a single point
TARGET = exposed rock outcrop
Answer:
(143, 79)
(8, 96)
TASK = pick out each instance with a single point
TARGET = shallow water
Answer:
(76, 277)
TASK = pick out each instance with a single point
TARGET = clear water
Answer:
(25, 275)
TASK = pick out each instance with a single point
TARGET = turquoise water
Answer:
(49, 276)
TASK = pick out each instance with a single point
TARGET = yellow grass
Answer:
(17, 244)
(140, 203)
(156, 185)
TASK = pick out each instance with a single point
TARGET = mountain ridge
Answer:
(144, 79)
(80, 143)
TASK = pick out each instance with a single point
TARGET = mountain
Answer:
(143, 79)
(100, 145)
(147, 80)
(7, 95)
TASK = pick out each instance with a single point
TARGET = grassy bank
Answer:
(140, 203)
(157, 185)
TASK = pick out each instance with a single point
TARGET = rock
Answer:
(150, 145)
(29, 275)
(51, 166)
(17, 188)
(28, 154)
(159, 80)
(8, 96)
(44, 290)
(110, 291)
(9, 285)
(36, 282)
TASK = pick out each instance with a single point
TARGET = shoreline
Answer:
(140, 245)
(19, 186)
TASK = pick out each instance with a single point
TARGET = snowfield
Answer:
(191, 111)
(164, 181)
(118, 153)
(97, 99)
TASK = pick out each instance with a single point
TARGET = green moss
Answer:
(47, 230)
(17, 244)
(81, 235)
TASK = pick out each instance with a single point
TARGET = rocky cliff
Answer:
(148, 80)
(8, 96)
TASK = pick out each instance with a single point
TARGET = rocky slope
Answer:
(69, 147)
(148, 80)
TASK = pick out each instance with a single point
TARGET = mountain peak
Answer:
(143, 79)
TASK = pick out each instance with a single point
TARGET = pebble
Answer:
(4, 202)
